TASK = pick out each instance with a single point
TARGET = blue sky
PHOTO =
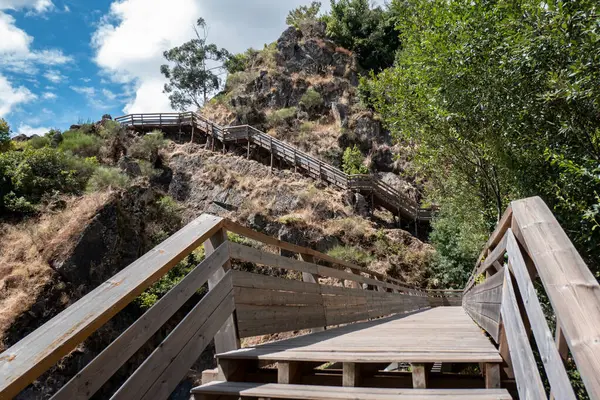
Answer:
(66, 61)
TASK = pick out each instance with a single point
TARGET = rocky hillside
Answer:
(304, 89)
(124, 192)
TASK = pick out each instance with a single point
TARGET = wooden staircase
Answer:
(383, 194)
(345, 326)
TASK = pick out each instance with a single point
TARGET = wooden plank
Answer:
(555, 370)
(100, 369)
(289, 372)
(227, 338)
(351, 374)
(527, 375)
(572, 289)
(314, 392)
(492, 376)
(420, 376)
(167, 365)
(268, 297)
(249, 280)
(30, 357)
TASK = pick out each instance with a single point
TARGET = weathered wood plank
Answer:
(169, 362)
(527, 375)
(29, 358)
(351, 374)
(572, 289)
(555, 370)
(420, 375)
(100, 369)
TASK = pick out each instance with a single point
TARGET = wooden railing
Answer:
(501, 296)
(388, 197)
(231, 309)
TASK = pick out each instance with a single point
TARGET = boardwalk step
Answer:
(215, 389)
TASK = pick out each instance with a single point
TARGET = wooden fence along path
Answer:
(355, 328)
(383, 194)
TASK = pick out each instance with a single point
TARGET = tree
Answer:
(353, 161)
(299, 16)
(4, 135)
(369, 32)
(195, 73)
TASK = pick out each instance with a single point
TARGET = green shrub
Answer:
(38, 142)
(26, 176)
(146, 147)
(311, 99)
(307, 127)
(169, 210)
(107, 178)
(147, 169)
(5, 142)
(281, 116)
(110, 129)
(80, 143)
(353, 161)
(237, 81)
(302, 15)
(351, 254)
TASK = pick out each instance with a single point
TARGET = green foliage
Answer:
(190, 72)
(351, 254)
(26, 176)
(38, 142)
(175, 275)
(107, 178)
(169, 210)
(147, 147)
(502, 102)
(353, 161)
(281, 116)
(311, 100)
(80, 143)
(4, 135)
(302, 15)
(241, 62)
(237, 81)
(369, 32)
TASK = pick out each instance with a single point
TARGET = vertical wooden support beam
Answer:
(295, 161)
(492, 376)
(248, 139)
(310, 278)
(420, 376)
(505, 353)
(351, 374)
(561, 342)
(227, 338)
(289, 372)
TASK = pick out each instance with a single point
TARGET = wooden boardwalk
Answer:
(383, 194)
(443, 334)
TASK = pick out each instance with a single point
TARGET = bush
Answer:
(353, 161)
(282, 116)
(107, 178)
(80, 143)
(38, 142)
(351, 254)
(26, 176)
(302, 15)
(4, 135)
(237, 81)
(146, 148)
(311, 99)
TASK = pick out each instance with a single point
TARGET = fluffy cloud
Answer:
(30, 130)
(12, 96)
(130, 40)
(49, 96)
(16, 54)
(54, 76)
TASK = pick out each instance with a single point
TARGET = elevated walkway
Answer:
(359, 334)
(383, 194)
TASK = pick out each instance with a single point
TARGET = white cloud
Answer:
(16, 54)
(66, 9)
(84, 90)
(49, 96)
(86, 80)
(108, 94)
(12, 96)
(29, 130)
(54, 76)
(130, 40)
(39, 6)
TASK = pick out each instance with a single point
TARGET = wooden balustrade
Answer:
(238, 304)
(390, 198)
(529, 244)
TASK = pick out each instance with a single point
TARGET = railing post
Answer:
(227, 338)
(271, 149)
(310, 278)
(248, 140)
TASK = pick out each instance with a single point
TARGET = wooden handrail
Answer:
(315, 167)
(537, 247)
(32, 356)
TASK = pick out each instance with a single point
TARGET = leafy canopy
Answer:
(353, 161)
(303, 14)
(193, 71)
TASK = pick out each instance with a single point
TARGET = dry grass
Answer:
(28, 247)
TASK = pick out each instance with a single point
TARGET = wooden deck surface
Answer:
(443, 334)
